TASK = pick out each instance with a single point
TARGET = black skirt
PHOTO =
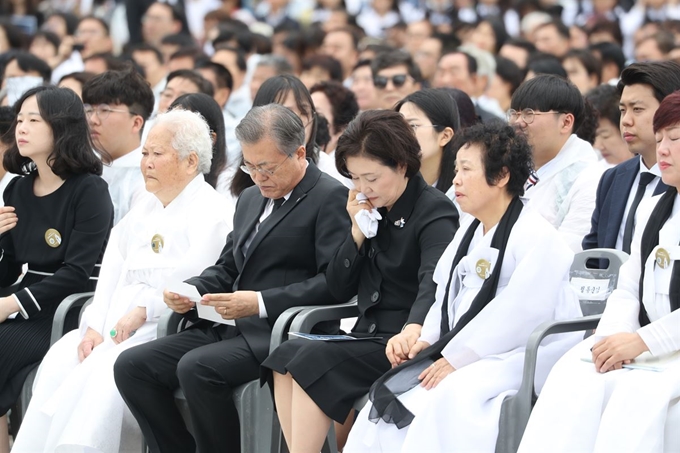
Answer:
(334, 374)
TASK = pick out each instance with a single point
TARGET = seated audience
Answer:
(447, 393)
(389, 264)
(174, 232)
(548, 110)
(582, 68)
(75, 81)
(608, 139)
(338, 104)
(361, 83)
(286, 230)
(395, 76)
(605, 405)
(56, 219)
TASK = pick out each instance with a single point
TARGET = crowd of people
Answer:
(442, 161)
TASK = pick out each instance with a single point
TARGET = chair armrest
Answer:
(310, 316)
(280, 330)
(169, 323)
(74, 301)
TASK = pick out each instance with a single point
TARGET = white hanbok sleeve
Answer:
(113, 262)
(538, 284)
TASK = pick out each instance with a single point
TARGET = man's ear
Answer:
(192, 162)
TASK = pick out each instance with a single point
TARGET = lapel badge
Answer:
(482, 269)
(663, 258)
(53, 238)
(157, 243)
(400, 223)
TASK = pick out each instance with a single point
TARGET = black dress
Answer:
(61, 236)
(392, 276)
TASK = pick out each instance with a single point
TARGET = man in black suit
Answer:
(642, 86)
(286, 230)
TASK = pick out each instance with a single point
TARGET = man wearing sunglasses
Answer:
(117, 105)
(395, 76)
(547, 110)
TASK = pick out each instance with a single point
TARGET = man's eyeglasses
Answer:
(103, 111)
(527, 115)
(397, 80)
(250, 170)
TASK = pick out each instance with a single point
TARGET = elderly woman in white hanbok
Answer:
(167, 237)
(629, 401)
(450, 393)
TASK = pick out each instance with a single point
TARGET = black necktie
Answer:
(277, 204)
(645, 179)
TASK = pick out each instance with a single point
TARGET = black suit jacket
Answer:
(392, 272)
(612, 195)
(287, 259)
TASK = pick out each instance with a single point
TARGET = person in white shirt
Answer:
(117, 105)
(548, 110)
(178, 228)
(150, 59)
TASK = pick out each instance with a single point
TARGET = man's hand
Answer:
(618, 349)
(239, 304)
(177, 303)
(435, 373)
(128, 324)
(399, 346)
(91, 340)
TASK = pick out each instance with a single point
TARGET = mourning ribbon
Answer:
(650, 239)
(385, 391)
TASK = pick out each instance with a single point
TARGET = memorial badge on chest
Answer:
(157, 243)
(53, 238)
(483, 268)
(663, 258)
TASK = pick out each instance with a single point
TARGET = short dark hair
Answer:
(126, 87)
(466, 108)
(99, 20)
(222, 74)
(610, 53)
(662, 76)
(243, 38)
(178, 39)
(351, 31)
(52, 38)
(605, 99)
(112, 62)
(325, 62)
(280, 63)
(449, 41)
(522, 44)
(81, 76)
(192, 52)
(543, 63)
(382, 135)
(442, 111)
(361, 64)
(323, 134)
(547, 92)
(343, 103)
(146, 47)
(504, 150)
(240, 55)
(508, 70)
(471, 61)
(72, 151)
(29, 62)
(607, 26)
(396, 58)
(70, 20)
(212, 114)
(561, 29)
(194, 77)
(668, 113)
(591, 64)
(664, 40)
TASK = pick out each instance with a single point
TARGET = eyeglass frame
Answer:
(263, 171)
(98, 109)
(391, 78)
(512, 112)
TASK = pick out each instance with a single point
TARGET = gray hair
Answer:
(280, 64)
(190, 133)
(272, 121)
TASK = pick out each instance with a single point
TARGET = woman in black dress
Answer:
(389, 264)
(56, 219)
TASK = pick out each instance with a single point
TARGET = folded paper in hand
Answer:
(204, 311)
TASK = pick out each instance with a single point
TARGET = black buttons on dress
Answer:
(375, 296)
(347, 263)
(371, 252)
(372, 328)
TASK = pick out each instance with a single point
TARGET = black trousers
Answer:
(207, 363)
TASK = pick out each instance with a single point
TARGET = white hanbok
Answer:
(566, 190)
(624, 410)
(76, 406)
(126, 183)
(461, 413)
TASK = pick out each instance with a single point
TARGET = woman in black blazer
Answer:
(387, 262)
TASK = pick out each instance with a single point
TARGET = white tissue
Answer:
(367, 220)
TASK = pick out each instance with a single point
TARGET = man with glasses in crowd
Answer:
(548, 109)
(117, 105)
(395, 76)
(287, 228)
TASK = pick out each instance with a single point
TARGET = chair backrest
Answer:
(594, 285)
